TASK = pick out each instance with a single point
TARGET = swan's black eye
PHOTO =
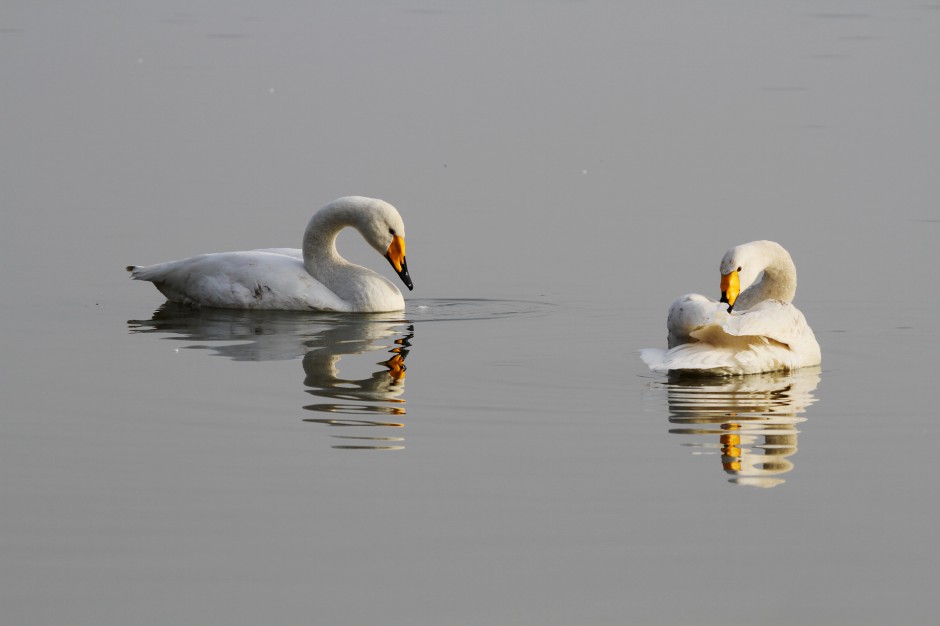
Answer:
(739, 268)
(391, 231)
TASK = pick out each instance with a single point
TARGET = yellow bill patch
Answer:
(396, 252)
(730, 286)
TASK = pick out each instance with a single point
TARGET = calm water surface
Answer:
(496, 453)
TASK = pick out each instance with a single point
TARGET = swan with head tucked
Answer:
(754, 328)
(314, 278)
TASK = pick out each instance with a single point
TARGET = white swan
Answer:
(316, 278)
(758, 331)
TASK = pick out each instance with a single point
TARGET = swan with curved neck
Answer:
(315, 277)
(754, 328)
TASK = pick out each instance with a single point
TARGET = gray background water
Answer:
(565, 169)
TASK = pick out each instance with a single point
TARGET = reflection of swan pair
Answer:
(323, 340)
(753, 418)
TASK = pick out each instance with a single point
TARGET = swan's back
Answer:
(254, 279)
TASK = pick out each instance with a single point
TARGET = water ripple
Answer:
(464, 309)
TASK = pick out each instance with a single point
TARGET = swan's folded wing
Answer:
(774, 320)
(246, 280)
(291, 252)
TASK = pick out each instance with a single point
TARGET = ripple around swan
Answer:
(750, 421)
(467, 309)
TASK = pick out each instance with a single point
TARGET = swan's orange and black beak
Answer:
(396, 256)
(730, 288)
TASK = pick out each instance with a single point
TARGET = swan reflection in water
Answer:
(322, 339)
(377, 395)
(750, 421)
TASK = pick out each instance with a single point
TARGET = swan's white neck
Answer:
(358, 286)
(319, 245)
(777, 274)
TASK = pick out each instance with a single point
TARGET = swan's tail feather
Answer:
(145, 272)
(135, 271)
(655, 359)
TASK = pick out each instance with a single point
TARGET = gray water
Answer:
(497, 453)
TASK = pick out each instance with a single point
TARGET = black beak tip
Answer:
(724, 298)
(405, 276)
(403, 273)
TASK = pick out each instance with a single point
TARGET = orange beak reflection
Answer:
(396, 367)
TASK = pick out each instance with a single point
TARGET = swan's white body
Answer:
(763, 332)
(314, 278)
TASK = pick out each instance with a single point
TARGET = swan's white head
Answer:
(746, 264)
(381, 226)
